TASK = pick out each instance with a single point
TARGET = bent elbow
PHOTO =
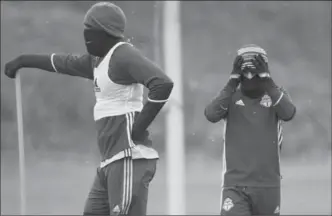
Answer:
(290, 116)
(169, 85)
(167, 88)
(160, 93)
(211, 117)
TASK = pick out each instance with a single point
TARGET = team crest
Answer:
(116, 210)
(228, 204)
(266, 101)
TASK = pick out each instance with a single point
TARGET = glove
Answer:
(12, 67)
(261, 66)
(237, 71)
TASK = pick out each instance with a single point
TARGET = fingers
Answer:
(258, 61)
(247, 70)
(257, 65)
(238, 61)
(241, 61)
(10, 74)
(259, 58)
(7, 71)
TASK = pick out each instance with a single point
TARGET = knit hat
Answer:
(249, 51)
(107, 17)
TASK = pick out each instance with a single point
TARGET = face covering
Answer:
(253, 87)
(98, 42)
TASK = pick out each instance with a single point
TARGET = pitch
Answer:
(52, 186)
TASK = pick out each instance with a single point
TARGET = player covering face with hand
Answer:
(252, 107)
(119, 71)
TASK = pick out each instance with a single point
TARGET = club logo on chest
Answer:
(228, 204)
(266, 101)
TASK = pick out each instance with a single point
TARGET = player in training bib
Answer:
(253, 108)
(119, 72)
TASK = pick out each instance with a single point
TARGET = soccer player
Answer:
(119, 72)
(252, 107)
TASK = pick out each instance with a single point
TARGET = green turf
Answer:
(59, 186)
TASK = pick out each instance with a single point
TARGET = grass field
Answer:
(59, 185)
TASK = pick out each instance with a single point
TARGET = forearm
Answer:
(42, 62)
(159, 92)
(282, 103)
(69, 64)
(218, 108)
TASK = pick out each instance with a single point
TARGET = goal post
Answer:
(175, 141)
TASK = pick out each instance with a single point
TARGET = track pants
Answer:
(121, 188)
(247, 201)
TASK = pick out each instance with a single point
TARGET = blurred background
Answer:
(61, 149)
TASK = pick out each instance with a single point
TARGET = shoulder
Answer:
(127, 53)
(128, 57)
(234, 98)
(237, 94)
(123, 63)
(283, 89)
